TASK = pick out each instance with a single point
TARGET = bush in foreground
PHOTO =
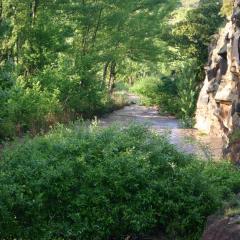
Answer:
(91, 183)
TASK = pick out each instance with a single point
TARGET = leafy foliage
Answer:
(187, 95)
(227, 8)
(92, 183)
(148, 89)
(60, 60)
(73, 49)
(43, 104)
(176, 93)
(187, 35)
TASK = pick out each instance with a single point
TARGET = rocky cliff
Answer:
(218, 108)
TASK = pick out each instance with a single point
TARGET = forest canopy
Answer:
(59, 59)
(64, 62)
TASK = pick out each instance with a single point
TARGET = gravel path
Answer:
(187, 140)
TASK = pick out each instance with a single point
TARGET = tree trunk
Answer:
(97, 27)
(34, 6)
(112, 77)
(1, 11)
(105, 70)
(130, 80)
(17, 50)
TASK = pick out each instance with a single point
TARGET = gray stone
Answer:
(213, 86)
(223, 66)
(212, 73)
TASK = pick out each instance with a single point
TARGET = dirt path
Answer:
(187, 140)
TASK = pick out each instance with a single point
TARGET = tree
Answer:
(76, 48)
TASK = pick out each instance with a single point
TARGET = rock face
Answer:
(224, 225)
(218, 108)
(223, 229)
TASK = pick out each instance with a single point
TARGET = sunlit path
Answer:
(187, 140)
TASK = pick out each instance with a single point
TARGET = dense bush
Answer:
(160, 91)
(76, 51)
(54, 95)
(187, 93)
(148, 89)
(90, 183)
(175, 93)
(29, 107)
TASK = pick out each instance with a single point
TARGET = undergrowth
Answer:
(85, 182)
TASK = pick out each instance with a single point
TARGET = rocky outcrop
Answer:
(218, 108)
(225, 228)
(225, 225)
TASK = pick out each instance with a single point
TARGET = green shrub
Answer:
(148, 90)
(187, 91)
(167, 93)
(175, 93)
(31, 107)
(56, 94)
(121, 86)
(90, 183)
(158, 91)
(80, 92)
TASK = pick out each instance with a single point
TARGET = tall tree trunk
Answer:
(85, 40)
(97, 27)
(86, 33)
(112, 77)
(105, 70)
(17, 50)
(1, 11)
(34, 7)
(130, 80)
